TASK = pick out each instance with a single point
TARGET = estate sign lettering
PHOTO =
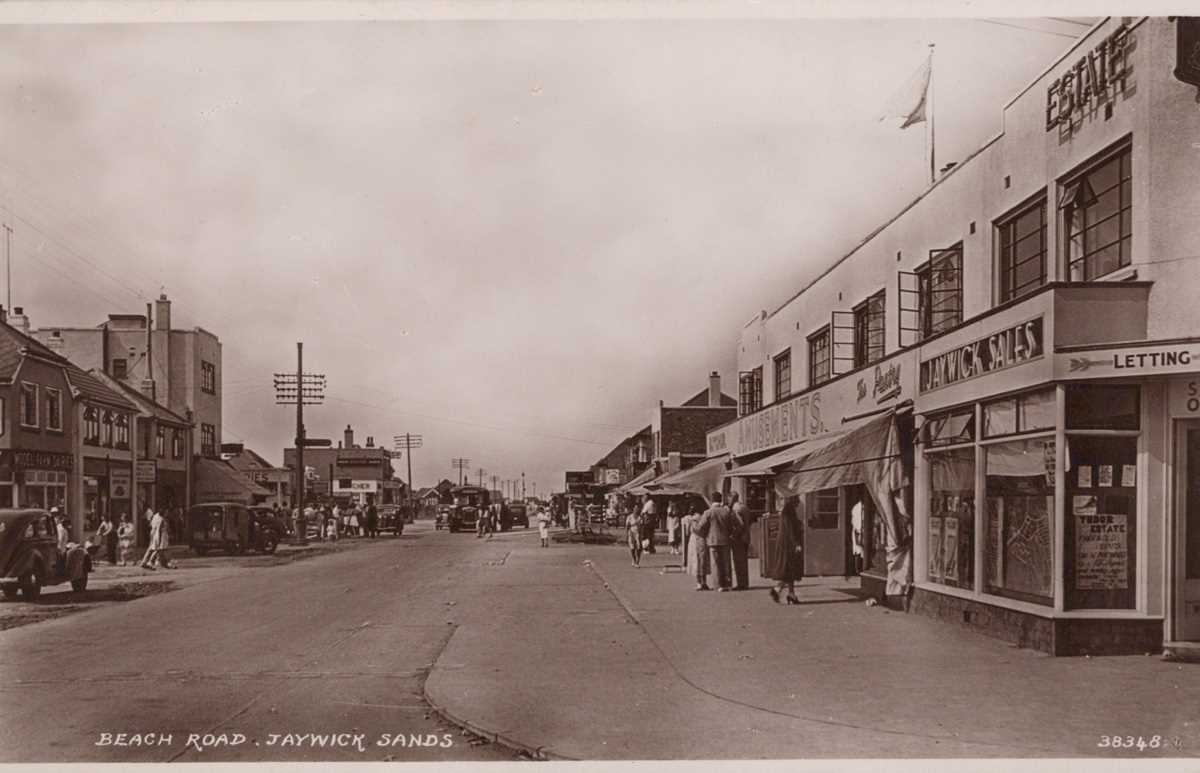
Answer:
(1094, 78)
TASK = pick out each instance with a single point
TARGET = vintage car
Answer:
(267, 529)
(391, 518)
(518, 515)
(232, 527)
(29, 557)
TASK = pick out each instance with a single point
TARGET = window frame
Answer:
(54, 418)
(1007, 272)
(37, 397)
(208, 440)
(1076, 183)
(176, 444)
(160, 441)
(208, 377)
(782, 362)
(866, 351)
(926, 327)
(123, 368)
(121, 430)
(814, 340)
(107, 435)
(91, 425)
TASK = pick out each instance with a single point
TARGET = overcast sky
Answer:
(510, 237)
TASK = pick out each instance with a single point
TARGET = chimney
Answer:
(19, 320)
(162, 313)
(349, 435)
(714, 390)
(370, 441)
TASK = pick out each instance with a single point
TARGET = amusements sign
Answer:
(1101, 548)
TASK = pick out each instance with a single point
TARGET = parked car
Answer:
(518, 514)
(231, 527)
(391, 517)
(469, 502)
(267, 530)
(29, 558)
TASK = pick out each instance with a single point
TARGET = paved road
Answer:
(335, 645)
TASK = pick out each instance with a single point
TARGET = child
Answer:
(331, 529)
(544, 526)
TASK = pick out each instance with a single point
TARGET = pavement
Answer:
(633, 663)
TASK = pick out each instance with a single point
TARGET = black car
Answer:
(518, 514)
(391, 519)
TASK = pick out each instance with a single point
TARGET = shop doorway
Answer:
(1187, 554)
(825, 534)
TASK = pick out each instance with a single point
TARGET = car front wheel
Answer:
(269, 543)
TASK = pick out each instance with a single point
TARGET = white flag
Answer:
(908, 103)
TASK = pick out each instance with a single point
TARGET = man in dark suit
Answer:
(723, 528)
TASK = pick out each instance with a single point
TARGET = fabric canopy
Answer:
(869, 455)
(642, 477)
(218, 481)
(703, 479)
(768, 465)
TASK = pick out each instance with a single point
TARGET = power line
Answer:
(1028, 29)
(1070, 21)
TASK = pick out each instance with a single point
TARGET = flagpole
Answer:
(932, 135)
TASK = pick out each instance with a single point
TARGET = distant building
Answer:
(276, 480)
(180, 369)
(349, 473)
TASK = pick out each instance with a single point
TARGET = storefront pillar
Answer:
(1060, 495)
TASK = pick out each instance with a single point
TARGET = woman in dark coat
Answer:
(785, 564)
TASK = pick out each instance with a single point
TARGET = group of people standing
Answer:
(336, 522)
(716, 542)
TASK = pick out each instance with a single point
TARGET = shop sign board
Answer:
(146, 470)
(120, 482)
(1007, 348)
(815, 412)
(1183, 397)
(1147, 359)
(612, 476)
(577, 481)
(1096, 77)
(41, 460)
(369, 486)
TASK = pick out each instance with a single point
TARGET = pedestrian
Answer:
(696, 556)
(740, 544)
(164, 542)
(106, 538)
(151, 555)
(125, 534)
(785, 562)
(673, 527)
(649, 523)
(633, 533)
(720, 528)
(544, 526)
(331, 527)
(356, 521)
(60, 529)
(372, 521)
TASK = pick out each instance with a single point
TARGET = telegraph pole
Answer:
(407, 442)
(460, 465)
(302, 389)
(8, 264)
(522, 484)
(481, 472)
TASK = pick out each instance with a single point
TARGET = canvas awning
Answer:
(769, 465)
(644, 476)
(868, 454)
(217, 481)
(703, 479)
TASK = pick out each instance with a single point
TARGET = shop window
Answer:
(783, 375)
(91, 426)
(951, 538)
(947, 429)
(826, 510)
(1021, 239)
(208, 377)
(939, 288)
(121, 425)
(1096, 208)
(750, 391)
(1019, 547)
(756, 496)
(1099, 406)
(869, 329)
(208, 440)
(106, 428)
(160, 442)
(1101, 522)
(1023, 413)
(29, 404)
(176, 444)
(120, 369)
(54, 409)
(819, 364)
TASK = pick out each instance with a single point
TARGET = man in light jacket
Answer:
(722, 529)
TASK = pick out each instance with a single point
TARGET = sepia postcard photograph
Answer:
(738, 385)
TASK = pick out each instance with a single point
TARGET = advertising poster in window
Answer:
(1101, 551)
(1049, 460)
(1085, 476)
(935, 548)
(950, 549)
(1106, 475)
(1128, 475)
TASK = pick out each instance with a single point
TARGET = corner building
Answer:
(1030, 325)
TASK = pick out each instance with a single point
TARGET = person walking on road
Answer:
(543, 520)
(125, 539)
(649, 523)
(106, 538)
(633, 533)
(785, 564)
(372, 521)
(719, 527)
(695, 556)
(740, 543)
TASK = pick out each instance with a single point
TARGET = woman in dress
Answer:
(785, 561)
(697, 549)
(633, 532)
(543, 520)
(125, 539)
(106, 538)
(673, 527)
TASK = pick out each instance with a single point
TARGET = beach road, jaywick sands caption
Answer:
(210, 741)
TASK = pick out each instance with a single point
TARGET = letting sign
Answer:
(1013, 346)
